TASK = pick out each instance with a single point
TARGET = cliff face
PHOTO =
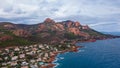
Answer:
(77, 31)
(65, 26)
(21, 33)
(48, 31)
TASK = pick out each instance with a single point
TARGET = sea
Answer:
(99, 54)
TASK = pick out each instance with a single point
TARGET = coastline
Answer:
(78, 60)
(76, 50)
(23, 53)
(72, 48)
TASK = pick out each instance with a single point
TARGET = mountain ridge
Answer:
(49, 32)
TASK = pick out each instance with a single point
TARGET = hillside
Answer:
(49, 32)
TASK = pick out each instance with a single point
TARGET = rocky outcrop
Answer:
(77, 31)
(60, 27)
(77, 24)
(74, 30)
(41, 27)
(21, 33)
(48, 20)
(50, 24)
(6, 37)
(9, 26)
(50, 31)
(69, 24)
(85, 27)
(65, 26)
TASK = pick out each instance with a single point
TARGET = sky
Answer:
(101, 15)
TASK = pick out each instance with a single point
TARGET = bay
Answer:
(99, 54)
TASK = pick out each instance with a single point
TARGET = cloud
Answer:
(91, 12)
(110, 27)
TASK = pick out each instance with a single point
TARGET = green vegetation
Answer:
(92, 32)
(70, 35)
(51, 32)
(12, 42)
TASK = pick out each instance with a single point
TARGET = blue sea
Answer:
(99, 54)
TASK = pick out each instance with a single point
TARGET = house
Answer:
(38, 51)
(31, 53)
(32, 61)
(4, 64)
(13, 63)
(26, 47)
(30, 46)
(47, 46)
(33, 66)
(4, 67)
(55, 49)
(8, 62)
(52, 54)
(44, 58)
(41, 63)
(24, 67)
(24, 63)
(46, 54)
(7, 50)
(14, 58)
(59, 45)
(22, 56)
(40, 46)
(1, 59)
(5, 58)
(68, 45)
(40, 54)
(34, 49)
(39, 59)
(16, 49)
(35, 45)
(26, 50)
(12, 54)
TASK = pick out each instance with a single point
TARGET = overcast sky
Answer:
(102, 15)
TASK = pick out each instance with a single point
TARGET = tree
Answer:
(70, 35)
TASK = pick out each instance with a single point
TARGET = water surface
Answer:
(99, 54)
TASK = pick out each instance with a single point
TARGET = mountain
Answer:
(49, 32)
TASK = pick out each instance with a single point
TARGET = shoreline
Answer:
(53, 58)
(71, 58)
(72, 50)
(76, 50)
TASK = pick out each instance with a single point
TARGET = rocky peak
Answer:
(85, 27)
(68, 23)
(77, 23)
(49, 20)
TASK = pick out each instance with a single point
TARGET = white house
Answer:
(14, 58)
